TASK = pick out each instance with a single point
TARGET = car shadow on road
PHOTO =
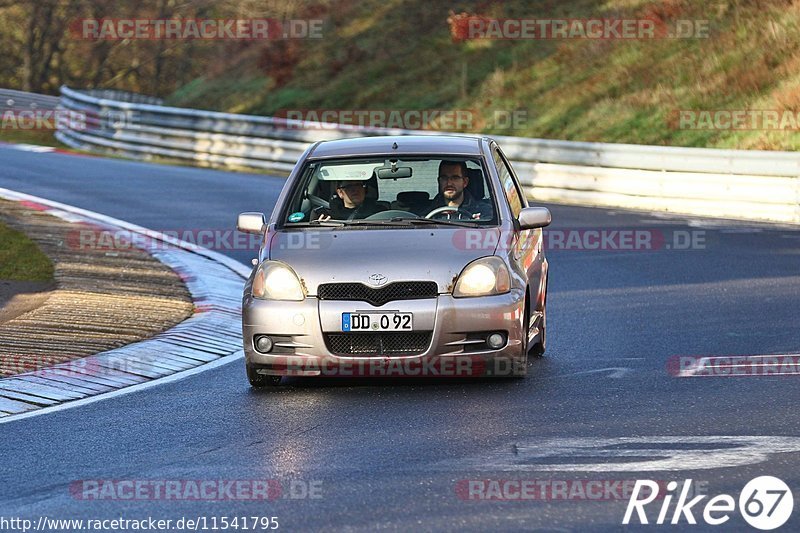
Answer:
(537, 366)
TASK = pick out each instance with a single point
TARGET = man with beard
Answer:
(453, 182)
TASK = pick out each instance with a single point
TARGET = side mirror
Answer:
(251, 223)
(534, 217)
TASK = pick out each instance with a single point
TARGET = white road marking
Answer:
(630, 454)
(615, 373)
(742, 230)
(30, 147)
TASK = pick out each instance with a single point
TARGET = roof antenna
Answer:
(394, 146)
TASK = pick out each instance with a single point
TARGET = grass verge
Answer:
(38, 137)
(21, 259)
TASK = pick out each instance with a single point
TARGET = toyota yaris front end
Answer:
(397, 256)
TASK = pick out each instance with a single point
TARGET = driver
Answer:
(353, 203)
(453, 181)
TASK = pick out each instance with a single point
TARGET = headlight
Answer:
(483, 277)
(276, 281)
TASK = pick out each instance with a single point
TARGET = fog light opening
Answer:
(496, 341)
(263, 344)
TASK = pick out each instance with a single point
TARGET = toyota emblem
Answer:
(377, 279)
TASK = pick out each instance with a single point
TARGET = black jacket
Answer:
(340, 212)
(468, 208)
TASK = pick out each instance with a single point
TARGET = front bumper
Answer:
(299, 331)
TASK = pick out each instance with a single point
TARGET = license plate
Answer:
(377, 322)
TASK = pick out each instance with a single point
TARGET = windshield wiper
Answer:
(341, 223)
(326, 223)
(423, 221)
(384, 222)
(397, 221)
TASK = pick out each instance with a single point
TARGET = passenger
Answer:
(352, 203)
(453, 182)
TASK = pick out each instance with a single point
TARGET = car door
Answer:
(525, 245)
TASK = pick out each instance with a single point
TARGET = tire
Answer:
(538, 349)
(259, 381)
(519, 368)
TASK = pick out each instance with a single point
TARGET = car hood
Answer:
(353, 255)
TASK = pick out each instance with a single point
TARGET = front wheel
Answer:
(519, 368)
(260, 381)
(538, 348)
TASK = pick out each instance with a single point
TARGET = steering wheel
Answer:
(445, 209)
(392, 213)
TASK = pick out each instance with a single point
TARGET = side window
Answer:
(507, 181)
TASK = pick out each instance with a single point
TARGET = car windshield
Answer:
(414, 192)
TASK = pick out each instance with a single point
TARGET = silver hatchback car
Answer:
(397, 256)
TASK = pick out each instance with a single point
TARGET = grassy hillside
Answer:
(400, 54)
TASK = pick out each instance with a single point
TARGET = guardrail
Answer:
(123, 96)
(751, 185)
(22, 101)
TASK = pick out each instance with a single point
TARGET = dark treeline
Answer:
(43, 48)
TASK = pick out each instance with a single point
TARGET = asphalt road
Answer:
(395, 454)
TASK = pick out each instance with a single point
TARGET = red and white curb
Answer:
(208, 339)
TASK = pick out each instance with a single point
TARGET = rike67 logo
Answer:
(765, 503)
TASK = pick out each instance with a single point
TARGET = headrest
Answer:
(475, 186)
(413, 197)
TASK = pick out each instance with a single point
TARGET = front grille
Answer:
(399, 290)
(378, 344)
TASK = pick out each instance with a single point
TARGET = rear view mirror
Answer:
(534, 217)
(251, 223)
(387, 173)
